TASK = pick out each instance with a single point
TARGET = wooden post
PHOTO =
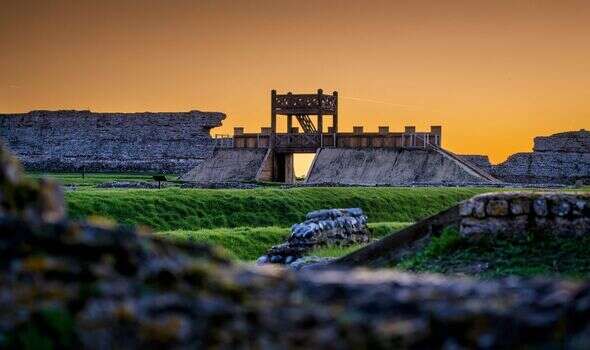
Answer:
(289, 124)
(335, 117)
(273, 118)
(320, 116)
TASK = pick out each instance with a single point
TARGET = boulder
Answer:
(326, 227)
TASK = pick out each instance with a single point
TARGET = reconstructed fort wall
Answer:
(389, 167)
(76, 140)
(480, 161)
(228, 165)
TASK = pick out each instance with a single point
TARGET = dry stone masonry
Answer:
(327, 227)
(518, 213)
(70, 285)
(83, 140)
(562, 158)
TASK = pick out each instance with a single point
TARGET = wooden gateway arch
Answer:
(311, 112)
(357, 157)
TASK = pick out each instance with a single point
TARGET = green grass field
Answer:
(247, 222)
(249, 243)
(93, 179)
(194, 209)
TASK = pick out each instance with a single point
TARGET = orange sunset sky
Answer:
(493, 73)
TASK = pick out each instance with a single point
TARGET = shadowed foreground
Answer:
(67, 285)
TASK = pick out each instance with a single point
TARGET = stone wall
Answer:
(519, 213)
(72, 140)
(228, 165)
(572, 141)
(562, 158)
(481, 161)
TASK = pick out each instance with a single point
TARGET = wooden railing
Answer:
(305, 102)
(312, 141)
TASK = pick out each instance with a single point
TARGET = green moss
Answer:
(529, 256)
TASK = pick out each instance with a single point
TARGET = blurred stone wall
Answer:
(518, 213)
(122, 142)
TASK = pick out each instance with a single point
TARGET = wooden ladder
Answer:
(306, 124)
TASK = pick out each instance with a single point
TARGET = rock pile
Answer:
(516, 213)
(327, 227)
(68, 285)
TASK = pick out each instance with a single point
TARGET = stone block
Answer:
(581, 226)
(580, 207)
(479, 208)
(543, 225)
(519, 206)
(520, 225)
(563, 227)
(466, 208)
(540, 206)
(497, 207)
(491, 227)
(562, 208)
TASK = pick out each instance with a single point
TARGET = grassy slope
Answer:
(193, 209)
(531, 256)
(92, 179)
(249, 243)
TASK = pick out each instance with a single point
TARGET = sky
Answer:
(494, 74)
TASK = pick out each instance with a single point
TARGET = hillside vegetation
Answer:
(194, 209)
(528, 256)
(249, 243)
